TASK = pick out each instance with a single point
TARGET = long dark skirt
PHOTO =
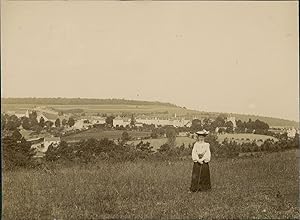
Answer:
(200, 177)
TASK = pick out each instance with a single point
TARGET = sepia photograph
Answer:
(149, 109)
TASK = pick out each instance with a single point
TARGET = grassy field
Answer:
(99, 134)
(244, 138)
(156, 143)
(241, 188)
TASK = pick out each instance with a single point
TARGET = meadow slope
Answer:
(265, 187)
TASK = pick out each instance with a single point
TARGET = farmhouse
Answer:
(41, 145)
(119, 121)
(55, 141)
(164, 122)
(147, 121)
(81, 124)
(46, 115)
(138, 124)
(96, 120)
(291, 133)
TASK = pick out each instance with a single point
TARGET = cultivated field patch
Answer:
(100, 134)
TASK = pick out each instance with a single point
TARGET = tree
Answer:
(164, 148)
(196, 125)
(229, 126)
(221, 130)
(33, 119)
(154, 133)
(132, 121)
(33, 115)
(171, 135)
(64, 122)
(12, 123)
(71, 122)
(49, 124)
(25, 123)
(220, 120)
(16, 135)
(57, 123)
(16, 152)
(4, 121)
(109, 120)
(42, 122)
(125, 136)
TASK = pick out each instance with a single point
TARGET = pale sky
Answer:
(213, 56)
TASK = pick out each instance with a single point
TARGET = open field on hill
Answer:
(243, 137)
(99, 134)
(16, 107)
(261, 188)
(109, 109)
(157, 142)
(240, 138)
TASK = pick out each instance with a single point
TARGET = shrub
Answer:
(16, 152)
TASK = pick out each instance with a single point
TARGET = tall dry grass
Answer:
(241, 188)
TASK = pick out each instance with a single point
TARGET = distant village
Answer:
(42, 140)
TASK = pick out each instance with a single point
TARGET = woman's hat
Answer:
(202, 133)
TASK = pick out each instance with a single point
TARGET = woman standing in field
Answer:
(201, 156)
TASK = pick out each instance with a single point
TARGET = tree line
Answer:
(17, 152)
(12, 122)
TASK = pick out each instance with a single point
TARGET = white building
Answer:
(119, 121)
(97, 120)
(147, 121)
(55, 141)
(291, 133)
(81, 124)
(41, 145)
(164, 122)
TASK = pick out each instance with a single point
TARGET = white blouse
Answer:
(202, 149)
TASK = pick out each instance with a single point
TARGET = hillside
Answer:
(126, 108)
(80, 101)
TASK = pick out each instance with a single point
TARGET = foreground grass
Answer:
(242, 188)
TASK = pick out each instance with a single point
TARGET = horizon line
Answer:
(163, 102)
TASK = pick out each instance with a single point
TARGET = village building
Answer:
(81, 124)
(119, 121)
(55, 141)
(291, 133)
(41, 144)
(164, 122)
(97, 120)
(147, 121)
(138, 124)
